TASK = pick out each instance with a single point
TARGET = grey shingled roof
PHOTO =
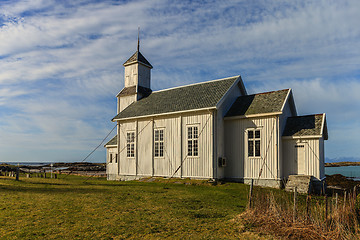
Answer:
(196, 96)
(137, 57)
(258, 103)
(113, 141)
(132, 90)
(309, 125)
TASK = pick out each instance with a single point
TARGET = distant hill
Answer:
(342, 159)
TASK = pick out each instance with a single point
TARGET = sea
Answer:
(347, 171)
(36, 163)
(28, 163)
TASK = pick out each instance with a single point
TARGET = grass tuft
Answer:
(272, 212)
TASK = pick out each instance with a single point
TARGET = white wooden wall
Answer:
(239, 164)
(137, 74)
(124, 102)
(313, 161)
(282, 122)
(201, 166)
(127, 166)
(322, 158)
(111, 168)
(166, 166)
(231, 96)
(145, 148)
(175, 147)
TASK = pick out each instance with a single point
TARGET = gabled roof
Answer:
(112, 142)
(192, 97)
(310, 125)
(261, 103)
(137, 57)
(132, 90)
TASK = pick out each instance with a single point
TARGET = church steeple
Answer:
(138, 48)
(136, 79)
(137, 69)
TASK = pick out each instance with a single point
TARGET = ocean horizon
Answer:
(45, 163)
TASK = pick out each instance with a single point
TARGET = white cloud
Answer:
(61, 62)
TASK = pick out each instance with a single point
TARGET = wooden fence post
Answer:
(17, 174)
(344, 199)
(354, 192)
(326, 207)
(308, 199)
(295, 199)
(251, 192)
(336, 201)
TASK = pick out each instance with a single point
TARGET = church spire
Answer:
(138, 46)
(137, 57)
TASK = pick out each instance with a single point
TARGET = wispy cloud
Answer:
(61, 62)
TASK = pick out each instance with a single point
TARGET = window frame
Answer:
(130, 144)
(159, 141)
(110, 157)
(255, 142)
(193, 140)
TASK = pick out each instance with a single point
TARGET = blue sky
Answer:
(61, 64)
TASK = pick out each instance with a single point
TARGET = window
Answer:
(130, 144)
(116, 158)
(193, 141)
(159, 143)
(110, 158)
(253, 143)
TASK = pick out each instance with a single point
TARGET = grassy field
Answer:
(70, 208)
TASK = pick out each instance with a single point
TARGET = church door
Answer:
(300, 158)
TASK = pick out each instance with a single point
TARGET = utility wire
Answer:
(94, 149)
(137, 134)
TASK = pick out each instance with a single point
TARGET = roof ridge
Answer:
(308, 115)
(193, 84)
(287, 89)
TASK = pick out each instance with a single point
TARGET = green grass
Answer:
(70, 208)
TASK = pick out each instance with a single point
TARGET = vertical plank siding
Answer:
(313, 161)
(111, 167)
(201, 166)
(127, 166)
(231, 96)
(166, 165)
(290, 168)
(145, 149)
(175, 147)
(322, 158)
(242, 166)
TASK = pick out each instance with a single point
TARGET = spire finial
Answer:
(138, 46)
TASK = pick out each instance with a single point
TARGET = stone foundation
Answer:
(273, 183)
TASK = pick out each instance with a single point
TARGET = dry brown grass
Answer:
(272, 213)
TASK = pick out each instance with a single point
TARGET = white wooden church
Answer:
(211, 130)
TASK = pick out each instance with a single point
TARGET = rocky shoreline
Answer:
(342, 164)
(75, 168)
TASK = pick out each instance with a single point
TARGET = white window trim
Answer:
(247, 143)
(134, 143)
(163, 141)
(192, 139)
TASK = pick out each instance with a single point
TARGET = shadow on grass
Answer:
(29, 189)
(39, 185)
